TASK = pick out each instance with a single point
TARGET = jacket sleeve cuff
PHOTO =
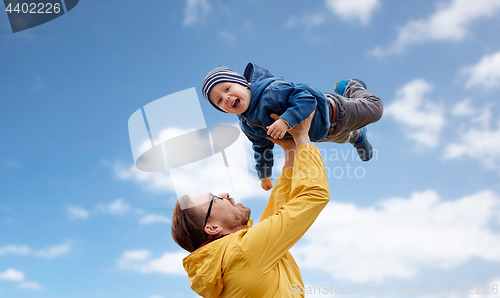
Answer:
(289, 126)
(287, 172)
(290, 118)
(265, 173)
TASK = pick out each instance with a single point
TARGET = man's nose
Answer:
(225, 196)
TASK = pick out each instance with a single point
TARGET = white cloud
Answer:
(54, 251)
(141, 261)
(477, 137)
(420, 118)
(348, 10)
(18, 276)
(15, 250)
(398, 237)
(463, 108)
(478, 143)
(306, 23)
(448, 23)
(195, 11)
(30, 285)
(12, 275)
(153, 218)
(483, 118)
(486, 73)
(117, 207)
(228, 36)
(156, 182)
(357, 10)
(50, 252)
(76, 212)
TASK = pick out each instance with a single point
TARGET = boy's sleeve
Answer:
(263, 155)
(300, 103)
(268, 241)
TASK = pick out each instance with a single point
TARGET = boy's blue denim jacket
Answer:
(294, 102)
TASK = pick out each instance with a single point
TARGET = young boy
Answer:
(257, 94)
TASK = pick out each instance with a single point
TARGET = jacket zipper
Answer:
(254, 124)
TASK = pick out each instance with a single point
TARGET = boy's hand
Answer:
(278, 129)
(300, 131)
(266, 184)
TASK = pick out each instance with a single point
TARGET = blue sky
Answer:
(77, 220)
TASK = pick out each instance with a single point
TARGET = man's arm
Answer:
(288, 145)
(280, 194)
(268, 241)
(309, 193)
(281, 191)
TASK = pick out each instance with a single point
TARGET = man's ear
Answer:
(212, 230)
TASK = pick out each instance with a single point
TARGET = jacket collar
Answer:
(212, 239)
(249, 225)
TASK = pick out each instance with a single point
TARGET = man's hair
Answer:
(187, 226)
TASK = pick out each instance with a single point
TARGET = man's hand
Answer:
(289, 147)
(266, 184)
(278, 129)
(285, 144)
(300, 132)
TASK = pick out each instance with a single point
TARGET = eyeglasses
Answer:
(210, 207)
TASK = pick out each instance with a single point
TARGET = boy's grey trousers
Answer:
(355, 110)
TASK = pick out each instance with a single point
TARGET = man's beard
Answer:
(240, 218)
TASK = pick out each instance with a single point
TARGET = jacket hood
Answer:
(204, 265)
(204, 268)
(259, 79)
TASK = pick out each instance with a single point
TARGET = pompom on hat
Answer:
(218, 75)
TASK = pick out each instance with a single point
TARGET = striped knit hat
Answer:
(218, 75)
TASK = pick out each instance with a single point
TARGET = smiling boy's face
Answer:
(232, 98)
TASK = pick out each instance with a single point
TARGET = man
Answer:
(229, 257)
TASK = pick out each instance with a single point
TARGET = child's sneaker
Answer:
(339, 86)
(363, 147)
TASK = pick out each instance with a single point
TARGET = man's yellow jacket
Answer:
(255, 261)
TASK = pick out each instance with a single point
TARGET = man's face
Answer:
(225, 211)
(231, 97)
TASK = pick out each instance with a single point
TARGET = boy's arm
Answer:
(300, 103)
(263, 155)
